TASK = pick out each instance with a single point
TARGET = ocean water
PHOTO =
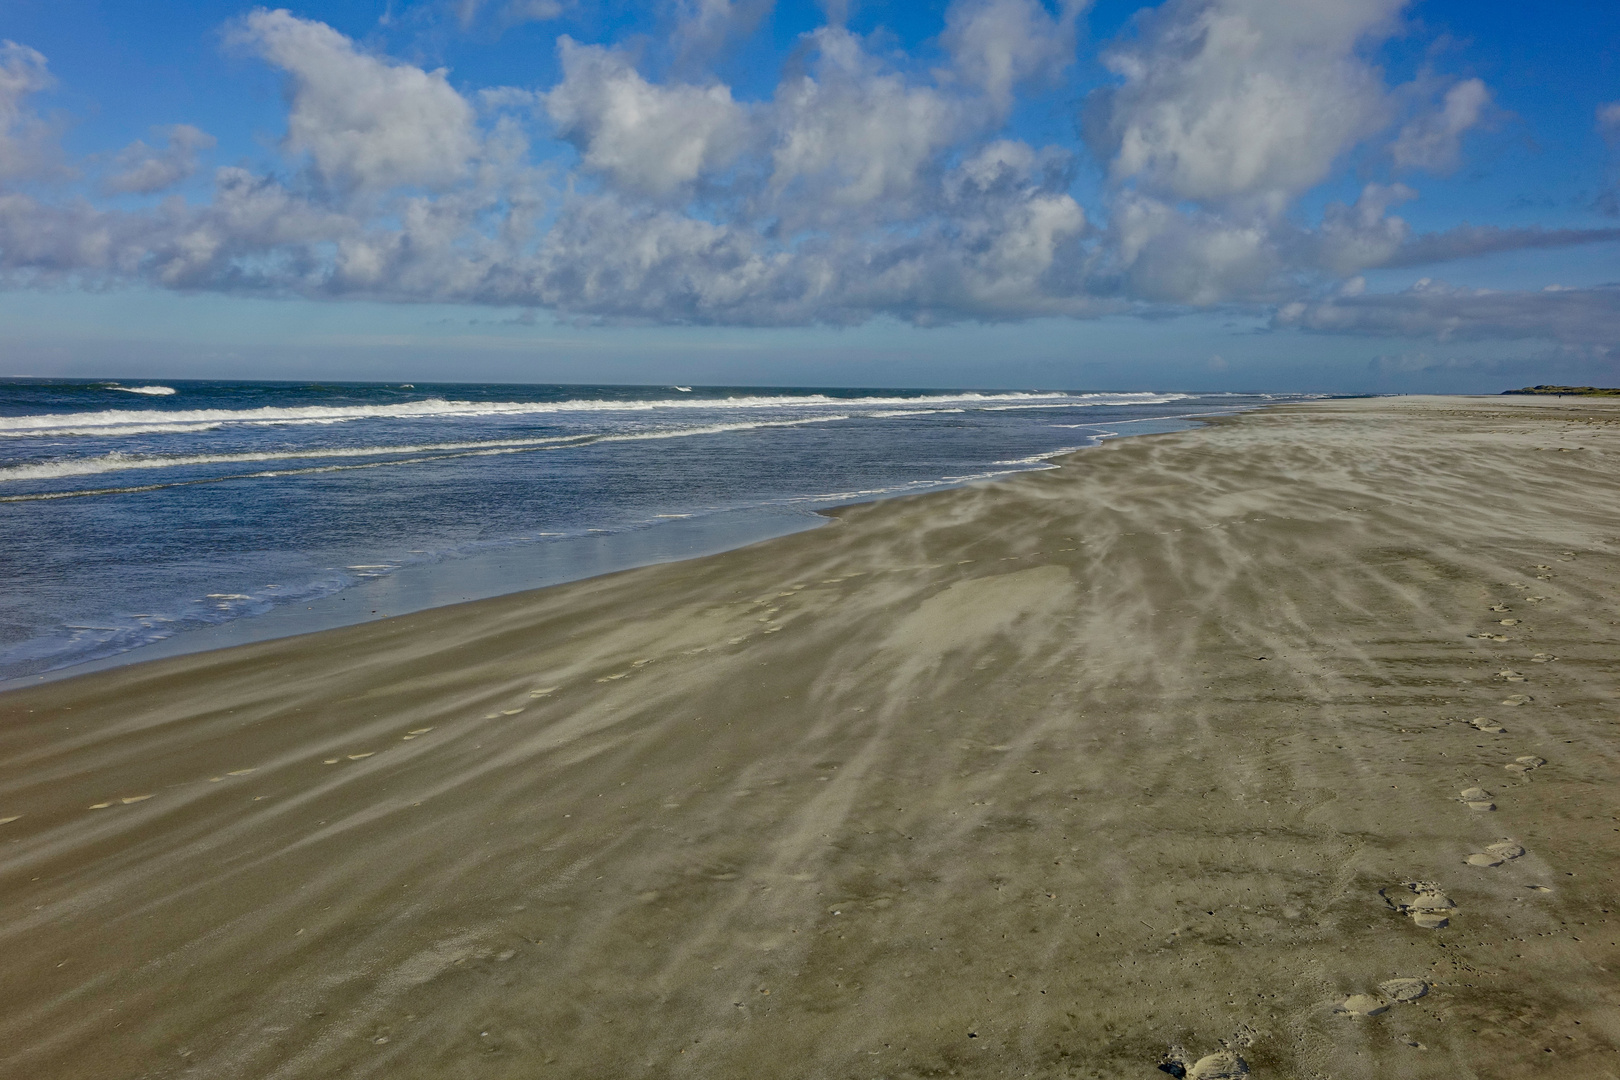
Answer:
(135, 513)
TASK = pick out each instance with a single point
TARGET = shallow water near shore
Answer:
(199, 514)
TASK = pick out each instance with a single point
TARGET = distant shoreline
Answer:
(1570, 391)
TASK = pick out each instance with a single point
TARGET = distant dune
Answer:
(1586, 391)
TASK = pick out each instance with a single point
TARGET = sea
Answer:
(149, 518)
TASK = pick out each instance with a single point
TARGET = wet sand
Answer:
(1294, 739)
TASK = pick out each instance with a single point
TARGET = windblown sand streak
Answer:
(1166, 757)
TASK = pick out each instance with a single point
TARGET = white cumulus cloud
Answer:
(1434, 141)
(998, 44)
(648, 138)
(27, 143)
(367, 123)
(863, 184)
(1241, 100)
(144, 169)
(849, 135)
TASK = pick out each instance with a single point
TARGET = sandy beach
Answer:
(1293, 739)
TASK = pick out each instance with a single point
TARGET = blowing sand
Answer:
(1287, 747)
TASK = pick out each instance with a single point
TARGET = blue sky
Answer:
(1214, 194)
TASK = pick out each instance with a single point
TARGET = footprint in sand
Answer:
(1525, 764)
(1487, 725)
(1422, 900)
(1509, 622)
(543, 691)
(1543, 658)
(357, 757)
(1403, 990)
(113, 802)
(1477, 798)
(1496, 854)
(1509, 675)
(1391, 993)
(1516, 699)
(331, 761)
(1362, 1005)
(1221, 1065)
(1500, 607)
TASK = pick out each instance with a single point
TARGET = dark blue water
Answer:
(131, 513)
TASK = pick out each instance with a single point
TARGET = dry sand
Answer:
(1293, 739)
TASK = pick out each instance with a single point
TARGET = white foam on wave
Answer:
(119, 422)
(118, 461)
(149, 391)
(1043, 458)
(103, 430)
(442, 452)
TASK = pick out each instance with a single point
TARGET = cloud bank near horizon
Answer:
(867, 183)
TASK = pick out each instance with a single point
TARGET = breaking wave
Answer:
(119, 422)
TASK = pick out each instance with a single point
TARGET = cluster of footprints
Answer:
(1423, 901)
(127, 800)
(416, 733)
(539, 692)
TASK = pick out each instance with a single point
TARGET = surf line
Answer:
(39, 496)
(580, 441)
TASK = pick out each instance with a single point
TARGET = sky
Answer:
(1274, 195)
